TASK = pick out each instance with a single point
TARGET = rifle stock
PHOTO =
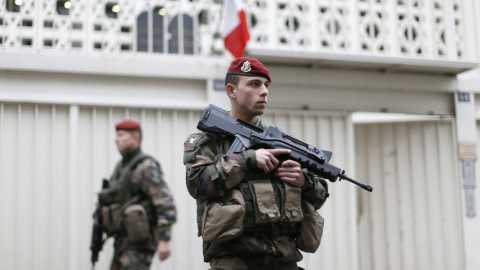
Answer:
(247, 136)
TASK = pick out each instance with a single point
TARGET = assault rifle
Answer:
(248, 136)
(97, 231)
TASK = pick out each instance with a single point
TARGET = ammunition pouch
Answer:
(112, 208)
(276, 207)
(293, 204)
(311, 229)
(258, 206)
(265, 207)
(129, 218)
(269, 202)
(135, 222)
(222, 219)
(111, 217)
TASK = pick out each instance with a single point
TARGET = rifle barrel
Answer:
(362, 185)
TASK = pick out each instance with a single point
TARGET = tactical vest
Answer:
(283, 220)
(123, 179)
(119, 192)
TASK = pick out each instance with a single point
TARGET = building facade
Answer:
(69, 70)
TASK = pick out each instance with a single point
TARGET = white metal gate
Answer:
(53, 157)
(52, 160)
(411, 220)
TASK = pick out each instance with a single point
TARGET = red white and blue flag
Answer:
(234, 27)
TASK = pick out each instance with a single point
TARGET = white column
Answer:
(353, 203)
(72, 179)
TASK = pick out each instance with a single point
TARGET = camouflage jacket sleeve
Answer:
(210, 173)
(315, 189)
(148, 177)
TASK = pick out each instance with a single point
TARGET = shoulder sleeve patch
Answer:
(191, 142)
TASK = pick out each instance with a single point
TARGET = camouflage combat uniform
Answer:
(148, 185)
(211, 173)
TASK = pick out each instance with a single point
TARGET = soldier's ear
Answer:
(231, 90)
(137, 136)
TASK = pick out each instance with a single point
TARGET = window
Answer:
(158, 17)
(142, 32)
(13, 5)
(63, 7)
(112, 9)
(174, 42)
(158, 35)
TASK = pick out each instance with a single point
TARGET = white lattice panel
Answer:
(292, 26)
(332, 25)
(372, 26)
(405, 28)
(439, 43)
(106, 32)
(260, 15)
(17, 29)
(458, 29)
(411, 17)
(208, 24)
(62, 32)
(429, 29)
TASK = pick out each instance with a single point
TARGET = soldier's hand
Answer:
(266, 159)
(163, 250)
(291, 172)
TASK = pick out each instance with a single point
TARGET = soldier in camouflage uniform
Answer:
(212, 175)
(137, 187)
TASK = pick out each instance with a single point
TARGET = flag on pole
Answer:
(234, 27)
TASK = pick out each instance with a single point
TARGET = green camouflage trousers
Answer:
(132, 260)
(250, 263)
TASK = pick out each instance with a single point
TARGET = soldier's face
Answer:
(126, 141)
(251, 95)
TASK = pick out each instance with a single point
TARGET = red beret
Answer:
(128, 125)
(247, 66)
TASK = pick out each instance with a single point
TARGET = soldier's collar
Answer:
(130, 154)
(259, 121)
(260, 124)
